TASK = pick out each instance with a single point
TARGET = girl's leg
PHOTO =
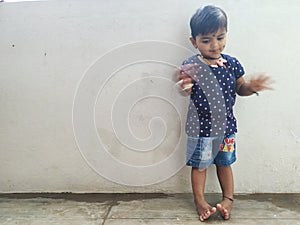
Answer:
(225, 177)
(198, 177)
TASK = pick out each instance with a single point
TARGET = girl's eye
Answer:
(205, 41)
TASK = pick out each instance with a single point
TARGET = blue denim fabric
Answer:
(204, 151)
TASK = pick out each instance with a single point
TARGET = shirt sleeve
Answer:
(187, 61)
(237, 68)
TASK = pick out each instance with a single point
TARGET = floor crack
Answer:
(112, 204)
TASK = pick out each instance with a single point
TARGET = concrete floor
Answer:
(138, 209)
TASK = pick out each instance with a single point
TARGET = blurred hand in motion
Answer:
(261, 83)
(254, 85)
(184, 77)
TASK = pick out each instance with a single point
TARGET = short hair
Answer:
(208, 19)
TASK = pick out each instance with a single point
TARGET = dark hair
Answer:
(208, 19)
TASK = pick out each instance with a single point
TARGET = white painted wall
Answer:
(47, 47)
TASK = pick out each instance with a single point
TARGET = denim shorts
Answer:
(204, 151)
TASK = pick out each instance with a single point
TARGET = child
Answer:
(208, 35)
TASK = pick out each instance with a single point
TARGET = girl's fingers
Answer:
(187, 86)
(180, 74)
(184, 79)
(264, 79)
(185, 83)
(180, 82)
(187, 80)
(262, 82)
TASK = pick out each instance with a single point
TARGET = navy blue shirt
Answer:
(201, 119)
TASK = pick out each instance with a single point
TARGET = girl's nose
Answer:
(214, 44)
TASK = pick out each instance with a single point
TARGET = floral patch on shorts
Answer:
(227, 145)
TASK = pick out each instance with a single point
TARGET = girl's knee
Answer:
(199, 169)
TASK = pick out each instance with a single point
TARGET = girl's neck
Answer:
(209, 58)
(213, 62)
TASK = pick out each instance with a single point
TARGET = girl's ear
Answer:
(193, 41)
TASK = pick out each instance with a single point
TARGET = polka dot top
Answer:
(210, 111)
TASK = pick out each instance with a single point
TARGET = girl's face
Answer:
(210, 45)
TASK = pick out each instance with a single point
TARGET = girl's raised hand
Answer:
(261, 83)
(184, 79)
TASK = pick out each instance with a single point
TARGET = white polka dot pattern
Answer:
(212, 98)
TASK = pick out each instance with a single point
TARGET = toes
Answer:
(219, 207)
(201, 219)
(204, 216)
(224, 212)
(207, 214)
(213, 210)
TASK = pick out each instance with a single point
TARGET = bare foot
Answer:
(225, 208)
(204, 210)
